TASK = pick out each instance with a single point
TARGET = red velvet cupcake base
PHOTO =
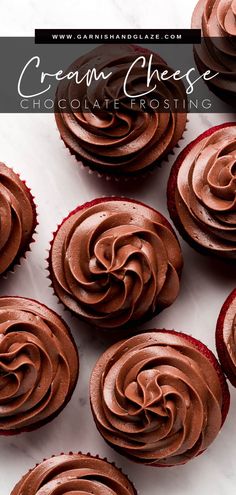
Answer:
(39, 424)
(138, 175)
(220, 344)
(27, 247)
(131, 327)
(224, 387)
(172, 186)
(87, 455)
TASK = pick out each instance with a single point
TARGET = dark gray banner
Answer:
(31, 73)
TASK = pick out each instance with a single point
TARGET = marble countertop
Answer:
(31, 144)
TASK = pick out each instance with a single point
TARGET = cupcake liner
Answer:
(119, 175)
(115, 177)
(172, 185)
(211, 55)
(224, 387)
(50, 418)
(220, 344)
(88, 455)
(131, 327)
(22, 254)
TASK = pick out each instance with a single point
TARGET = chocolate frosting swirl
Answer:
(38, 364)
(17, 218)
(120, 139)
(217, 52)
(74, 473)
(113, 261)
(229, 336)
(156, 398)
(205, 196)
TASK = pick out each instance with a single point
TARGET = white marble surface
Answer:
(32, 146)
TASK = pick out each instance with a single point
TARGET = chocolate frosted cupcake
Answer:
(202, 192)
(115, 261)
(159, 398)
(38, 365)
(217, 52)
(74, 473)
(226, 337)
(115, 136)
(17, 218)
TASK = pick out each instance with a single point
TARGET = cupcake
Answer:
(114, 262)
(38, 365)
(74, 473)
(202, 192)
(159, 398)
(217, 51)
(113, 133)
(226, 337)
(17, 218)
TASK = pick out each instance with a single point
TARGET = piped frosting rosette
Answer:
(202, 191)
(67, 474)
(157, 397)
(38, 364)
(114, 135)
(217, 52)
(226, 337)
(17, 218)
(115, 261)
